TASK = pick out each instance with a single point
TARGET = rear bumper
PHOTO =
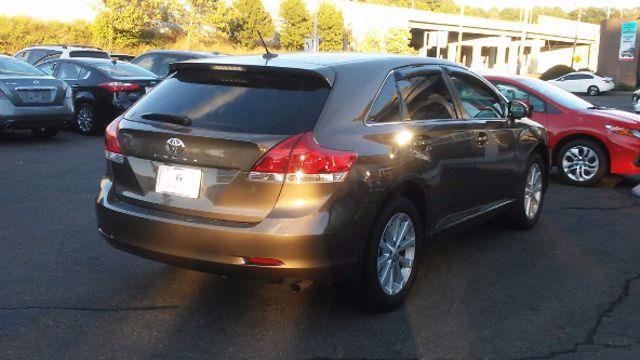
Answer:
(18, 117)
(326, 252)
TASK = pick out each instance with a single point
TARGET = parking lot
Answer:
(568, 289)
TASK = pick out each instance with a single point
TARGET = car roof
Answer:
(181, 52)
(327, 64)
(64, 47)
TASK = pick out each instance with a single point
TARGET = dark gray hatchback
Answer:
(328, 167)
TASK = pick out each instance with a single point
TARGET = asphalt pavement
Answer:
(568, 289)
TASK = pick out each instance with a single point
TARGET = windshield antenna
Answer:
(268, 55)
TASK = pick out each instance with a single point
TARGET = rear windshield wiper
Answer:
(170, 118)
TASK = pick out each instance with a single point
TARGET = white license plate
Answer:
(36, 96)
(179, 181)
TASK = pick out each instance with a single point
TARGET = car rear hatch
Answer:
(33, 91)
(210, 126)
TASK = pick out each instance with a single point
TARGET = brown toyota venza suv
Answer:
(326, 167)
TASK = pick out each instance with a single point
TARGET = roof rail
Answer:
(64, 46)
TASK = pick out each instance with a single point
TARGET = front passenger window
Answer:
(478, 100)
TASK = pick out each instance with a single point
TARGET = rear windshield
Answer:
(123, 70)
(241, 102)
(14, 67)
(89, 54)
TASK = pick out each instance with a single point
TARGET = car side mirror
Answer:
(518, 110)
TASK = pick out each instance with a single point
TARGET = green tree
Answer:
(548, 11)
(397, 41)
(510, 14)
(592, 15)
(372, 43)
(330, 27)
(132, 22)
(296, 24)
(245, 18)
(198, 15)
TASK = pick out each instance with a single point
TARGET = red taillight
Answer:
(112, 148)
(607, 81)
(117, 86)
(263, 261)
(299, 159)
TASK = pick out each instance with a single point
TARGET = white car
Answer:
(584, 82)
(635, 101)
(36, 55)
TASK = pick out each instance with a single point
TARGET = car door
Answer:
(573, 83)
(495, 138)
(442, 143)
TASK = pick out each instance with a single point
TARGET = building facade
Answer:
(624, 69)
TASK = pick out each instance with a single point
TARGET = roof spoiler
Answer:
(327, 76)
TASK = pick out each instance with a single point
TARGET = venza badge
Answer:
(175, 146)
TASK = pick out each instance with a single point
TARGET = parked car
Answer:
(325, 167)
(584, 82)
(30, 99)
(36, 55)
(587, 142)
(121, 57)
(158, 61)
(635, 101)
(102, 89)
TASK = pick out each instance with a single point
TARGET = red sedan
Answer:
(587, 142)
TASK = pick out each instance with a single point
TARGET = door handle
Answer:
(422, 144)
(481, 139)
(74, 87)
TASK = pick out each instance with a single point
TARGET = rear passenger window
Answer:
(426, 97)
(386, 107)
(69, 71)
(479, 101)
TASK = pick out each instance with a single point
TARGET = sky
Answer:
(67, 10)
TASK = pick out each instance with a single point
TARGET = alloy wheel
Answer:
(85, 119)
(580, 163)
(396, 253)
(533, 191)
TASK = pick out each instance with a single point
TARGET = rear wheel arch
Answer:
(414, 192)
(569, 138)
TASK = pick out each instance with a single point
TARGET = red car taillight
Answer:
(117, 86)
(299, 159)
(112, 148)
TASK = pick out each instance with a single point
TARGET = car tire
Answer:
(525, 211)
(44, 132)
(582, 162)
(86, 120)
(397, 258)
(593, 90)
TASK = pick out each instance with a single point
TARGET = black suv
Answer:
(328, 167)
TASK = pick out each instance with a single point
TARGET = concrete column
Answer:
(512, 63)
(535, 54)
(500, 58)
(476, 57)
(451, 51)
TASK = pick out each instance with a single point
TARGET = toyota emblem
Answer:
(175, 146)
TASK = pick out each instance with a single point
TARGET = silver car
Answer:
(31, 99)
